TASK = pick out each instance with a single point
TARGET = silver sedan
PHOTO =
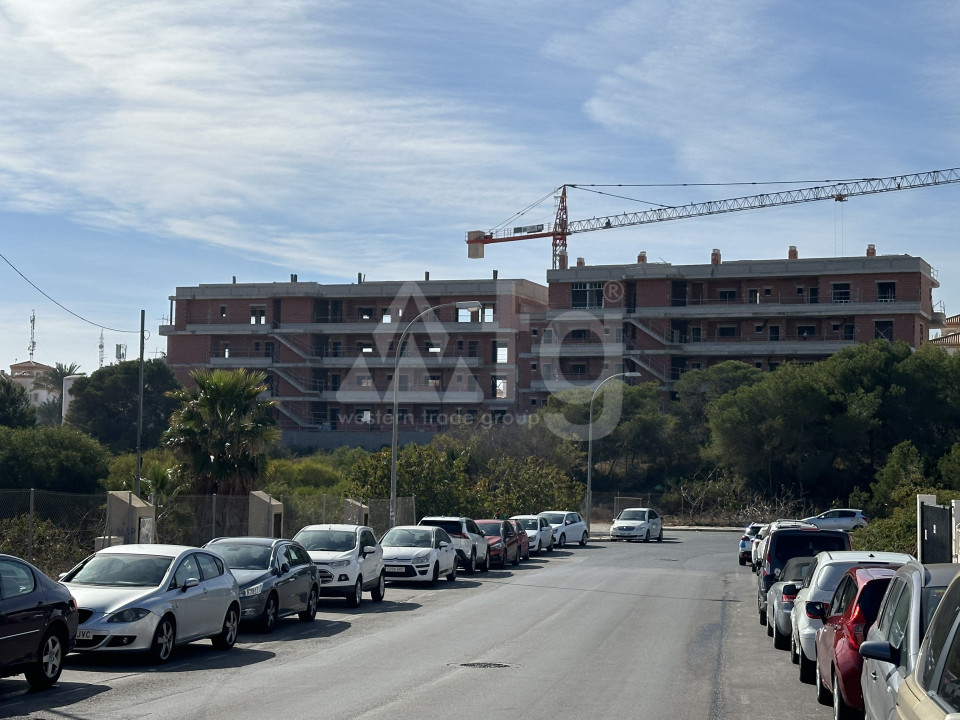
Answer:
(150, 598)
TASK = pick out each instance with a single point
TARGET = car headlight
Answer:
(252, 591)
(129, 615)
(421, 558)
(338, 563)
(496, 545)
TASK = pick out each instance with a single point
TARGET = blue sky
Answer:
(156, 144)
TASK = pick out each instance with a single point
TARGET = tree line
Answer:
(857, 428)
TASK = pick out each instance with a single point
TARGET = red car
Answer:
(524, 539)
(846, 619)
(504, 543)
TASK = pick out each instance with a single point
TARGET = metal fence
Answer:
(55, 530)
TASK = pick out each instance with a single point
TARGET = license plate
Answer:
(394, 569)
(84, 635)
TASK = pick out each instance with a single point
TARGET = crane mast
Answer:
(562, 227)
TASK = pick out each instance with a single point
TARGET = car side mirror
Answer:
(443, 544)
(284, 568)
(789, 589)
(368, 550)
(880, 650)
(776, 573)
(189, 583)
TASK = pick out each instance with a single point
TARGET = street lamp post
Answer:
(590, 441)
(460, 305)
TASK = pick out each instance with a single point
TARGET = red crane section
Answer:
(561, 227)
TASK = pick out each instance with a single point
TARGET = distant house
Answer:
(27, 374)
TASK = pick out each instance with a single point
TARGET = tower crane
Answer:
(561, 227)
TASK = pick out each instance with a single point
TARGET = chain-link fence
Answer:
(52, 530)
(55, 530)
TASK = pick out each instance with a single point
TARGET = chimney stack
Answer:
(715, 257)
(642, 257)
(293, 277)
(792, 253)
(426, 276)
(495, 274)
(581, 262)
(871, 250)
(562, 261)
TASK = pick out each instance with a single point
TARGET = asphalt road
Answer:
(615, 630)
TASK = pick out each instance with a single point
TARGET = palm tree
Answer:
(50, 412)
(222, 431)
(52, 379)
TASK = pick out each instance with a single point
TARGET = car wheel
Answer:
(769, 626)
(808, 668)
(583, 539)
(380, 590)
(516, 558)
(527, 556)
(841, 711)
(563, 541)
(646, 536)
(164, 638)
(268, 620)
(354, 598)
(539, 548)
(471, 567)
(309, 613)
(823, 692)
(227, 637)
(46, 669)
(485, 565)
(453, 573)
(436, 574)
(794, 658)
(780, 641)
(741, 561)
(660, 536)
(550, 546)
(503, 559)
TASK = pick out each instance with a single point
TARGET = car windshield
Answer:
(125, 570)
(529, 523)
(490, 528)
(331, 540)
(407, 537)
(451, 526)
(555, 518)
(633, 515)
(245, 556)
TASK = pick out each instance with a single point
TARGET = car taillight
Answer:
(865, 518)
(788, 598)
(856, 629)
(462, 536)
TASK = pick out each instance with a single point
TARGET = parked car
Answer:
(744, 549)
(348, 558)
(150, 598)
(276, 578)
(418, 553)
(469, 543)
(38, 623)
(755, 546)
(504, 543)
(538, 531)
(839, 519)
(932, 688)
(780, 603)
(567, 526)
(522, 538)
(893, 642)
(788, 541)
(846, 619)
(819, 584)
(638, 524)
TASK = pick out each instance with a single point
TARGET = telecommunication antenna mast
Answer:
(33, 340)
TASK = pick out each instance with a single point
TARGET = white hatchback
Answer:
(568, 526)
(637, 524)
(539, 532)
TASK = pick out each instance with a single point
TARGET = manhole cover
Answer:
(485, 665)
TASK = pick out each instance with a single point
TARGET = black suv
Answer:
(789, 541)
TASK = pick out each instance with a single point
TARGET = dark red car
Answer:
(523, 538)
(503, 540)
(846, 619)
